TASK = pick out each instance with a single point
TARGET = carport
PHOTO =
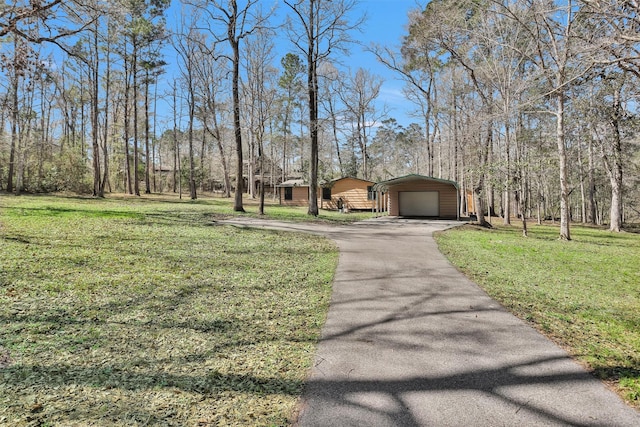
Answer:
(421, 196)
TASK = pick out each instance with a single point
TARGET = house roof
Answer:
(333, 181)
(293, 183)
(384, 185)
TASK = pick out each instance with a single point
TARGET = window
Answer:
(326, 193)
(371, 195)
(288, 193)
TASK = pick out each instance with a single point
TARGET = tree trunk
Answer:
(313, 120)
(562, 160)
(192, 181)
(336, 140)
(312, 85)
(251, 173)
(237, 206)
(522, 193)
(261, 160)
(507, 178)
(14, 130)
(127, 114)
(192, 109)
(95, 74)
(136, 160)
(105, 135)
(592, 185)
(583, 192)
(285, 125)
(156, 142)
(147, 153)
(614, 167)
(203, 149)
(479, 187)
(223, 158)
(176, 151)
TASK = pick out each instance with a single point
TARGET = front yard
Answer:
(142, 312)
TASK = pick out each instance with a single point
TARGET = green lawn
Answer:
(142, 311)
(585, 293)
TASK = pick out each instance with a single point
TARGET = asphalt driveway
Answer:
(410, 341)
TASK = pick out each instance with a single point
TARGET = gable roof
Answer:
(333, 181)
(294, 183)
(384, 185)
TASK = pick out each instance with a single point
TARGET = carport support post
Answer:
(388, 203)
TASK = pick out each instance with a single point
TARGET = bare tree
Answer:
(450, 27)
(260, 94)
(44, 21)
(420, 79)
(211, 76)
(187, 47)
(331, 85)
(318, 28)
(617, 25)
(607, 122)
(237, 23)
(563, 46)
(358, 95)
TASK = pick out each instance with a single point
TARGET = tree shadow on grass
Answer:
(328, 393)
(64, 394)
(125, 378)
(85, 213)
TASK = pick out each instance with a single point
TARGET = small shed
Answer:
(421, 196)
(294, 192)
(356, 194)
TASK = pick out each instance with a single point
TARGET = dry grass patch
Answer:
(142, 312)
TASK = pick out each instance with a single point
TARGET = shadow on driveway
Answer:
(410, 341)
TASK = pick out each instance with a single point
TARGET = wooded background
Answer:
(530, 105)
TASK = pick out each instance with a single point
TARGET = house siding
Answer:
(353, 193)
(300, 196)
(448, 196)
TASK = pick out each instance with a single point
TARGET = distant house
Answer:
(421, 196)
(356, 194)
(294, 192)
(272, 175)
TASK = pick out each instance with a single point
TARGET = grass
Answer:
(141, 311)
(223, 208)
(585, 293)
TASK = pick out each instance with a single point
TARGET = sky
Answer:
(385, 25)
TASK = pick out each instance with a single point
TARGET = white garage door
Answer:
(419, 203)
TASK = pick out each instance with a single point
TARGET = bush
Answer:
(68, 172)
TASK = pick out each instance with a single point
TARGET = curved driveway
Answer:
(410, 341)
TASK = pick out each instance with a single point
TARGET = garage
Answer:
(420, 196)
(419, 203)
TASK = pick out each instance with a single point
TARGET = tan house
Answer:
(355, 194)
(421, 196)
(294, 192)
